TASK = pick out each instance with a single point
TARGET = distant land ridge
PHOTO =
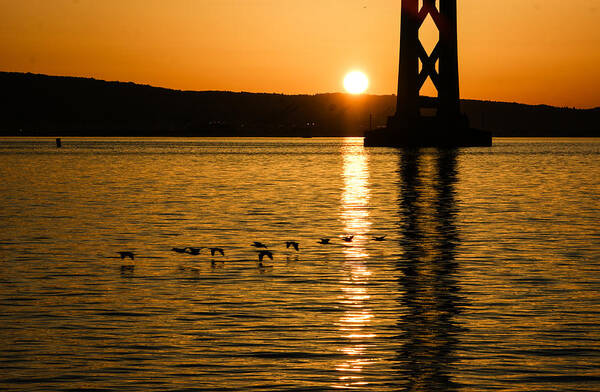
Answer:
(41, 105)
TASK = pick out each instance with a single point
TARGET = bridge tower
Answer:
(410, 126)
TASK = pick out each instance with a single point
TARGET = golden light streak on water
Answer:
(354, 323)
(355, 198)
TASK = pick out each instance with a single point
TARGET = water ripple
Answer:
(488, 278)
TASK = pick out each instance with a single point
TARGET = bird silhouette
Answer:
(323, 241)
(216, 250)
(292, 243)
(348, 238)
(257, 244)
(126, 254)
(194, 251)
(179, 250)
(264, 253)
(382, 238)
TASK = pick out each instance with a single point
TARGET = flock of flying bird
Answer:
(262, 248)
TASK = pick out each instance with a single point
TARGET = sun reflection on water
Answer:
(355, 198)
(357, 317)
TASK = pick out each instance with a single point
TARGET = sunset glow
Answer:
(356, 82)
(517, 51)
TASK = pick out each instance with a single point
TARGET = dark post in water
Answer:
(408, 126)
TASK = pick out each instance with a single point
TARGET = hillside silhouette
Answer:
(40, 105)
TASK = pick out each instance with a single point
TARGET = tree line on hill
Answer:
(40, 105)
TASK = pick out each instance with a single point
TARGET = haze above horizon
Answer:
(535, 52)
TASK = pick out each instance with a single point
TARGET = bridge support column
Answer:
(409, 126)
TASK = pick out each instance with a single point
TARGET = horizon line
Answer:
(287, 94)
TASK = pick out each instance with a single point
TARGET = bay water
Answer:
(487, 278)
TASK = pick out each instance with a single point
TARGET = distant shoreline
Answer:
(56, 106)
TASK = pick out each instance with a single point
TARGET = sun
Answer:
(356, 82)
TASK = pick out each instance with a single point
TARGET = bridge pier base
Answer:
(427, 135)
(428, 132)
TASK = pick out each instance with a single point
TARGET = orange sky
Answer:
(529, 51)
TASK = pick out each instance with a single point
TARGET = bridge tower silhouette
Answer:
(444, 125)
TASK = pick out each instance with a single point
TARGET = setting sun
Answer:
(356, 82)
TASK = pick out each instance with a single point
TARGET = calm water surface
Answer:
(489, 277)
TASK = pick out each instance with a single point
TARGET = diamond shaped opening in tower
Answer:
(429, 34)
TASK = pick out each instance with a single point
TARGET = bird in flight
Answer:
(179, 250)
(257, 244)
(382, 238)
(323, 241)
(194, 251)
(264, 253)
(216, 250)
(126, 254)
(348, 238)
(293, 244)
